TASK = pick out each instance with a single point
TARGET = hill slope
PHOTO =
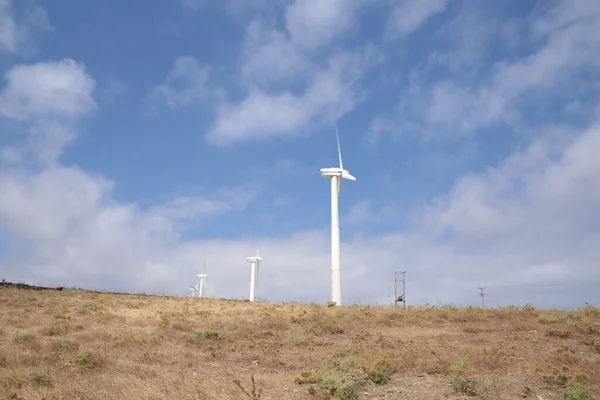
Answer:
(69, 345)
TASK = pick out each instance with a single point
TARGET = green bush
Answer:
(574, 391)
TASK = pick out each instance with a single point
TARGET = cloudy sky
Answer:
(139, 138)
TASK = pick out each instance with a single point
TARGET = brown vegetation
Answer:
(69, 345)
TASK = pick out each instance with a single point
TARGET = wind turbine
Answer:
(336, 175)
(194, 290)
(254, 262)
(202, 277)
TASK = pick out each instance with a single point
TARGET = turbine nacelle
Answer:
(253, 259)
(330, 172)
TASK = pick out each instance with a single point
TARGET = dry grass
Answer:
(66, 345)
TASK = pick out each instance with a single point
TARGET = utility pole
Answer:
(482, 294)
(403, 297)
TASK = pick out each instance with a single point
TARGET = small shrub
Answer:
(306, 377)
(574, 391)
(545, 319)
(231, 326)
(591, 310)
(253, 393)
(558, 333)
(341, 384)
(39, 378)
(87, 360)
(589, 329)
(65, 345)
(54, 330)
(528, 307)
(379, 375)
(460, 383)
(589, 341)
(200, 334)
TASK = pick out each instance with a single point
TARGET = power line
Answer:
(547, 285)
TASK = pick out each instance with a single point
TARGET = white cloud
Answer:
(566, 43)
(55, 89)
(264, 115)
(16, 30)
(314, 23)
(370, 211)
(51, 97)
(409, 15)
(8, 27)
(186, 83)
(269, 56)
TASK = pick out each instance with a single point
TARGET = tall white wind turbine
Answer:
(254, 264)
(336, 175)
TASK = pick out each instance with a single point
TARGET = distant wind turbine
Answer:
(202, 277)
(336, 175)
(254, 262)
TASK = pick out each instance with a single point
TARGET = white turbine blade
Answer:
(338, 144)
(346, 175)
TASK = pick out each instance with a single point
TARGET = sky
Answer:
(144, 142)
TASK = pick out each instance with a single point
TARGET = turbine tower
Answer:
(202, 278)
(194, 290)
(336, 175)
(254, 262)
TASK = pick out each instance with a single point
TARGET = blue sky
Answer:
(138, 138)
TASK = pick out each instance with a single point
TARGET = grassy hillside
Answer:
(66, 345)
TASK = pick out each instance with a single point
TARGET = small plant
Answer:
(231, 326)
(528, 307)
(460, 383)
(54, 330)
(379, 375)
(200, 334)
(574, 391)
(591, 310)
(306, 377)
(254, 393)
(558, 333)
(65, 345)
(39, 378)
(87, 360)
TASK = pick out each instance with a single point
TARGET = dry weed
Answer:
(94, 345)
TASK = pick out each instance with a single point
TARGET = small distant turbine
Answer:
(193, 290)
(336, 175)
(254, 262)
(202, 278)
